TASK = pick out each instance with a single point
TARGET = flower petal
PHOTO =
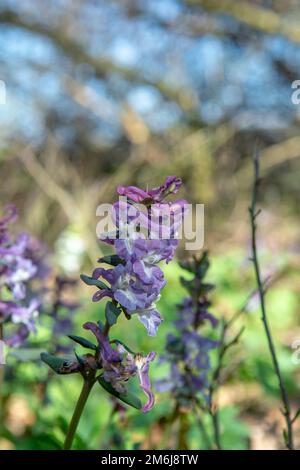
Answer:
(107, 352)
(142, 364)
(151, 319)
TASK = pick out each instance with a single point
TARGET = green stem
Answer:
(85, 392)
(202, 429)
(213, 411)
(216, 428)
(88, 384)
(264, 317)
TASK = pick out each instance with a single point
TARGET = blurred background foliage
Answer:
(101, 93)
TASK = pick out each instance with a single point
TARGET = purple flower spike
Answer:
(145, 234)
(188, 352)
(135, 283)
(19, 267)
(142, 364)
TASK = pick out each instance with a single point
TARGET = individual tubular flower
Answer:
(19, 267)
(188, 352)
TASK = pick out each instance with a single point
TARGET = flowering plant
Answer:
(133, 284)
(188, 352)
(20, 265)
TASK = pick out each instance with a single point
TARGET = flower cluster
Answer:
(132, 283)
(117, 366)
(187, 352)
(120, 364)
(136, 280)
(20, 264)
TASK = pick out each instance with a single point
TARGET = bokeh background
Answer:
(101, 93)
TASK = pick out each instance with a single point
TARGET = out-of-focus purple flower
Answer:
(188, 352)
(194, 314)
(26, 314)
(18, 270)
(18, 338)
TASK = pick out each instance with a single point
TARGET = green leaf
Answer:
(128, 398)
(90, 281)
(56, 363)
(113, 260)
(85, 343)
(111, 313)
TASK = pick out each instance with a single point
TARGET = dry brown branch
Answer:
(70, 205)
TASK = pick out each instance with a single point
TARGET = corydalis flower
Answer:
(132, 293)
(188, 353)
(155, 221)
(135, 282)
(119, 365)
(18, 268)
(170, 186)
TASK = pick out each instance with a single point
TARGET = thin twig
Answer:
(213, 411)
(205, 436)
(288, 432)
(215, 381)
